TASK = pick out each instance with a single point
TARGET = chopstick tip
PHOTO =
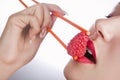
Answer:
(88, 33)
(75, 57)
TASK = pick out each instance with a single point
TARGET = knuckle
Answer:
(12, 18)
(39, 6)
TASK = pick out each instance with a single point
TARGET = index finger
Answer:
(38, 10)
(54, 8)
(35, 10)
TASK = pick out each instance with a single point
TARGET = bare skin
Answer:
(105, 35)
(26, 29)
(22, 36)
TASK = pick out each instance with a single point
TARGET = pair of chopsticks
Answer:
(63, 18)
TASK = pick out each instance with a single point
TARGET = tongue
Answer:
(77, 46)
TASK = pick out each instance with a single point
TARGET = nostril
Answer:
(101, 34)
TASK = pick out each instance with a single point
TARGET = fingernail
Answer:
(43, 33)
(65, 13)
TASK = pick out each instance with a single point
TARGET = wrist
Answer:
(6, 70)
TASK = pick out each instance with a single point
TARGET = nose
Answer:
(103, 29)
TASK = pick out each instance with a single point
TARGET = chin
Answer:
(79, 71)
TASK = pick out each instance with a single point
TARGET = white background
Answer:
(51, 58)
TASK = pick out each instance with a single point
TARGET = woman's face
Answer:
(105, 34)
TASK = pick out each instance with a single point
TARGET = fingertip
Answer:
(64, 13)
(61, 12)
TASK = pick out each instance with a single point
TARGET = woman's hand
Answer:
(23, 35)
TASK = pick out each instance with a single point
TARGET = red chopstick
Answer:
(57, 38)
(35, 1)
(23, 4)
(70, 22)
(49, 29)
(63, 18)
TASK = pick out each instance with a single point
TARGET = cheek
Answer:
(104, 50)
(115, 50)
(108, 57)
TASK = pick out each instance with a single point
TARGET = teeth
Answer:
(89, 51)
(89, 55)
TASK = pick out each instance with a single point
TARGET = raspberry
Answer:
(77, 46)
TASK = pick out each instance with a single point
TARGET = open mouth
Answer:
(82, 49)
(90, 55)
(90, 51)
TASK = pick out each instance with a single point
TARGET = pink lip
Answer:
(84, 60)
(91, 47)
(80, 47)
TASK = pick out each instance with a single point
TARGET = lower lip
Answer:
(91, 47)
